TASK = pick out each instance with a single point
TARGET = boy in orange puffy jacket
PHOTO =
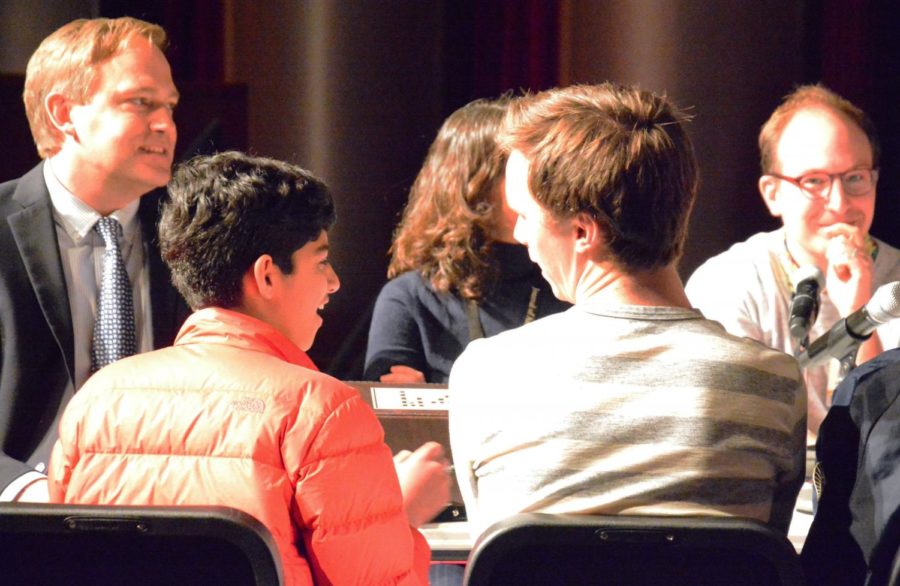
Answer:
(235, 413)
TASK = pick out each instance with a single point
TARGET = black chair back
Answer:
(81, 545)
(540, 549)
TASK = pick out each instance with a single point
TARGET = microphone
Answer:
(805, 302)
(845, 336)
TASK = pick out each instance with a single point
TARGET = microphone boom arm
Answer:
(840, 342)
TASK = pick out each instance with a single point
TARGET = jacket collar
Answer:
(215, 325)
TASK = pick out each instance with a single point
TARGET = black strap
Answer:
(475, 329)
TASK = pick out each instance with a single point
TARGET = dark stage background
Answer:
(355, 90)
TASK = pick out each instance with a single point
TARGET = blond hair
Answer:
(66, 63)
(802, 98)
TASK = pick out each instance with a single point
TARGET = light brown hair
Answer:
(619, 154)
(66, 62)
(802, 98)
(443, 232)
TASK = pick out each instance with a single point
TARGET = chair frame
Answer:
(665, 533)
(239, 529)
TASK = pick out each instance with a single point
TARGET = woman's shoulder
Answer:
(405, 285)
(412, 289)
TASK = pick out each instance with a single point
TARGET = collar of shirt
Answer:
(77, 218)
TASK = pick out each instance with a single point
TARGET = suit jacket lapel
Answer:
(35, 236)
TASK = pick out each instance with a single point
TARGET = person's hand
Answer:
(403, 374)
(424, 481)
(36, 492)
(848, 278)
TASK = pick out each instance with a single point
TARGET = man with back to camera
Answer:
(235, 413)
(99, 97)
(630, 402)
(819, 158)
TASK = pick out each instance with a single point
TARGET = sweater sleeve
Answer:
(394, 335)
(721, 291)
(348, 501)
(791, 476)
(465, 434)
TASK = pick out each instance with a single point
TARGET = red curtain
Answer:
(196, 31)
(516, 45)
(859, 48)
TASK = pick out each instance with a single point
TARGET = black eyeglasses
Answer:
(817, 185)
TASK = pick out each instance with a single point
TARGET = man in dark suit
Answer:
(854, 535)
(99, 97)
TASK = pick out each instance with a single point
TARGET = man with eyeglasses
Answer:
(819, 159)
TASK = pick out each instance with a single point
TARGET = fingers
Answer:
(431, 456)
(401, 456)
(844, 247)
(403, 374)
(424, 482)
(427, 452)
(848, 279)
(847, 232)
(842, 261)
(847, 252)
(431, 451)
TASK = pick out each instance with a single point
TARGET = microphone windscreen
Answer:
(885, 303)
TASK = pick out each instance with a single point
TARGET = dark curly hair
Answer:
(225, 211)
(443, 232)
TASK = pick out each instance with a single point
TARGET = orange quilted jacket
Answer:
(234, 414)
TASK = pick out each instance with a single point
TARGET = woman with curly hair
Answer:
(456, 272)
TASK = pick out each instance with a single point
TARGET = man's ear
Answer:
(588, 235)
(59, 110)
(768, 189)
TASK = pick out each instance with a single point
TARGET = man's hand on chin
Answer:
(848, 278)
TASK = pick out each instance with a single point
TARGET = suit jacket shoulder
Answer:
(36, 354)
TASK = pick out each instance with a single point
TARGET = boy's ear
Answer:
(260, 278)
(588, 234)
(768, 189)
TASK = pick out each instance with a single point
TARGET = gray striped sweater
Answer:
(627, 410)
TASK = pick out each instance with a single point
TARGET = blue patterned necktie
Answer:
(113, 336)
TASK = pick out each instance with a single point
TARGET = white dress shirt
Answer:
(81, 250)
